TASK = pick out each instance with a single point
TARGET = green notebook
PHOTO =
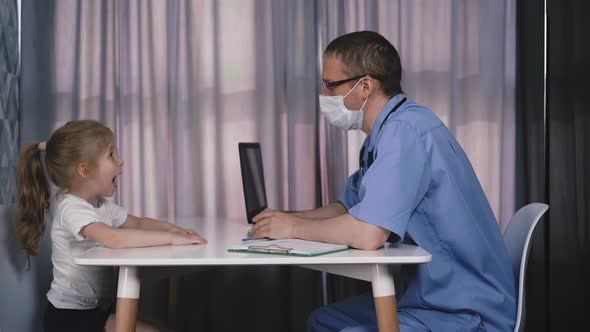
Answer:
(291, 247)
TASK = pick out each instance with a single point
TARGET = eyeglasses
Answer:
(333, 84)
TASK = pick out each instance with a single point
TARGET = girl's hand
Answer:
(180, 239)
(185, 231)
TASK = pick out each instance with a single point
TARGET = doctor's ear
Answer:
(369, 85)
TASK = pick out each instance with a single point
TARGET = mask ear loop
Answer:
(364, 104)
(357, 83)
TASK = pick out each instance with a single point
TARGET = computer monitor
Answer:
(252, 179)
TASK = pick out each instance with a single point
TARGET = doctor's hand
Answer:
(274, 224)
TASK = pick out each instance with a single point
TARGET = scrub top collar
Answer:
(390, 104)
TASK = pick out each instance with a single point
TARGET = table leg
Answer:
(384, 294)
(127, 299)
(173, 288)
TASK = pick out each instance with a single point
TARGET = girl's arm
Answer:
(148, 224)
(118, 238)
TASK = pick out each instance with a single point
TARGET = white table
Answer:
(359, 264)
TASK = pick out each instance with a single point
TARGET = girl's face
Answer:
(108, 168)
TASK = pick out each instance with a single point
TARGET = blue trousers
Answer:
(357, 314)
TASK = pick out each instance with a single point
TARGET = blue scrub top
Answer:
(422, 188)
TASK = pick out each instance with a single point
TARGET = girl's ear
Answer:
(83, 170)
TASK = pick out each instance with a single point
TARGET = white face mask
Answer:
(338, 115)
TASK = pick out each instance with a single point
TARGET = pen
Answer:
(245, 240)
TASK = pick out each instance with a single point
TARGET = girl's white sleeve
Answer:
(75, 216)
(118, 214)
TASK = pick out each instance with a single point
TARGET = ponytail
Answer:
(70, 144)
(33, 198)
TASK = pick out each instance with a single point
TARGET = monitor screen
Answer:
(252, 178)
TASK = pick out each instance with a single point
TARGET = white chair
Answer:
(517, 238)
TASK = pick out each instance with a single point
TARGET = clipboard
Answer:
(289, 247)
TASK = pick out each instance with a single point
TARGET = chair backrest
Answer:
(517, 238)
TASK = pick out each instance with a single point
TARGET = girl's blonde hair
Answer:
(75, 142)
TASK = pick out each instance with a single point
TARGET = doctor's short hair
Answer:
(369, 53)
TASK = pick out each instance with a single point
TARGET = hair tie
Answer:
(42, 146)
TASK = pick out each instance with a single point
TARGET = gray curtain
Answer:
(196, 78)
(181, 83)
(9, 76)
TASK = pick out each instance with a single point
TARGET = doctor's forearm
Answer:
(325, 212)
(344, 229)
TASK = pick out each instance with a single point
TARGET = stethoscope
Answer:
(370, 157)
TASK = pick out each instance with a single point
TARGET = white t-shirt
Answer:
(75, 286)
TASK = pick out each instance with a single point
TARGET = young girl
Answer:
(82, 160)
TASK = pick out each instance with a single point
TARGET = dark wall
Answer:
(554, 163)
(530, 147)
(569, 164)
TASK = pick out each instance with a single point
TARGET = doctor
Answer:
(416, 185)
